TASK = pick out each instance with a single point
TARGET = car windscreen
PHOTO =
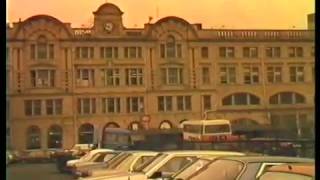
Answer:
(217, 128)
(186, 172)
(153, 163)
(140, 167)
(115, 163)
(114, 160)
(222, 169)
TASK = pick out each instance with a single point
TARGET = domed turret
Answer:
(108, 20)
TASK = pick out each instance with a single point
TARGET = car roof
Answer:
(251, 159)
(100, 150)
(296, 168)
(141, 152)
(199, 152)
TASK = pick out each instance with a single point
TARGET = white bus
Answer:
(207, 130)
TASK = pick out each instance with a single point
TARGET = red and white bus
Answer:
(218, 130)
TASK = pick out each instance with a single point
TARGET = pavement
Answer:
(33, 171)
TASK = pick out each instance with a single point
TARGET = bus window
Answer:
(223, 128)
(192, 128)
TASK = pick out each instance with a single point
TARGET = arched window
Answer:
(33, 137)
(86, 133)
(165, 125)
(287, 98)
(55, 137)
(171, 49)
(42, 49)
(134, 126)
(241, 99)
(112, 125)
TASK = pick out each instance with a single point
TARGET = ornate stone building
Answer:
(68, 84)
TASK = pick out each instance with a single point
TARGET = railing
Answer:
(232, 34)
(264, 34)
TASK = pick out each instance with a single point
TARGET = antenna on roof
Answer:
(157, 12)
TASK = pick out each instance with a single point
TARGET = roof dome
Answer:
(108, 8)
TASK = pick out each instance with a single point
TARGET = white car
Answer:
(86, 157)
(126, 162)
(166, 164)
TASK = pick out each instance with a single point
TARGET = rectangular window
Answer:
(295, 52)
(135, 104)
(205, 75)
(171, 76)
(85, 77)
(134, 76)
(206, 102)
(204, 52)
(297, 74)
(108, 52)
(251, 75)
(32, 107)
(226, 52)
(54, 106)
(170, 50)
(162, 51)
(184, 103)
(227, 75)
(51, 51)
(274, 74)
(250, 52)
(133, 52)
(42, 78)
(164, 103)
(111, 105)
(33, 51)
(84, 52)
(86, 105)
(111, 77)
(273, 52)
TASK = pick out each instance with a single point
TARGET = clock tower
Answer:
(108, 20)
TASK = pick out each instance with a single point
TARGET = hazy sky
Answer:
(238, 14)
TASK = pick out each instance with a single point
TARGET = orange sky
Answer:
(260, 14)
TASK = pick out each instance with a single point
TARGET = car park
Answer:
(241, 167)
(126, 162)
(165, 164)
(292, 171)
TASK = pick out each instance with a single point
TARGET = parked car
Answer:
(97, 158)
(241, 167)
(165, 164)
(77, 151)
(87, 157)
(296, 171)
(36, 155)
(192, 167)
(126, 162)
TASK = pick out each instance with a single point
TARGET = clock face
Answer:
(108, 26)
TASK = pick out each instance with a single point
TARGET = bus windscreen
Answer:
(223, 128)
(192, 128)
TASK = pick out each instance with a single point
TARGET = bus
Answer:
(116, 138)
(217, 130)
